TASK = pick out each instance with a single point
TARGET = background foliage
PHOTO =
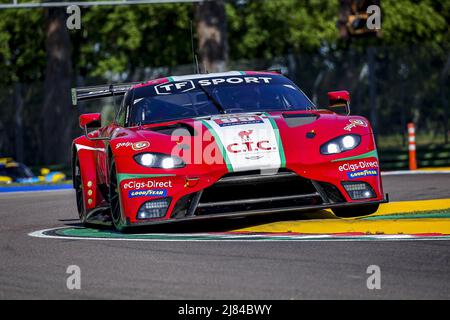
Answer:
(145, 41)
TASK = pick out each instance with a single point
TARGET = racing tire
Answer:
(114, 199)
(357, 211)
(78, 185)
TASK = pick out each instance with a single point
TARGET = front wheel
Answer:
(114, 199)
(357, 211)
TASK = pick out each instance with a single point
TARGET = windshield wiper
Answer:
(213, 100)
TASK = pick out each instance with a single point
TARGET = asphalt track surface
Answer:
(35, 268)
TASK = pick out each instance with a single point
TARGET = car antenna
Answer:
(111, 89)
(194, 55)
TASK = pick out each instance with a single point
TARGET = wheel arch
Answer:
(84, 150)
(73, 159)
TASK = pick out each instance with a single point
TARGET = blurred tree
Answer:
(127, 43)
(212, 34)
(57, 114)
(267, 29)
(415, 22)
(22, 60)
(22, 50)
(120, 43)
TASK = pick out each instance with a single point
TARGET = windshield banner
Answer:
(173, 87)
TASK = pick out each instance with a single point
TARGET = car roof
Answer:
(204, 76)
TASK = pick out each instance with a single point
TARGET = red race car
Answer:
(221, 145)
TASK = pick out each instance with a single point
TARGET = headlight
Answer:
(159, 160)
(340, 144)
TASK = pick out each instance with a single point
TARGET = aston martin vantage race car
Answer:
(221, 145)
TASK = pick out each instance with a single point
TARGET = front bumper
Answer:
(259, 212)
(100, 216)
(249, 194)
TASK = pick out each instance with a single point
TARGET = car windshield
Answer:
(210, 96)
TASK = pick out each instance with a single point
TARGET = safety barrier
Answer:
(426, 156)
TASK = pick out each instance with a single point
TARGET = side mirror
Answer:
(339, 99)
(91, 121)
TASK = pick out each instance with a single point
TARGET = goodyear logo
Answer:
(362, 173)
(147, 193)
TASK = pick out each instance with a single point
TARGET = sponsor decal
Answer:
(140, 145)
(248, 144)
(136, 146)
(234, 80)
(253, 157)
(238, 121)
(362, 173)
(149, 184)
(188, 85)
(245, 135)
(355, 123)
(358, 166)
(147, 193)
(240, 142)
(171, 87)
(123, 145)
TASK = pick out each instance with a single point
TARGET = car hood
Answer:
(323, 122)
(257, 139)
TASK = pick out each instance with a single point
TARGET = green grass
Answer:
(440, 213)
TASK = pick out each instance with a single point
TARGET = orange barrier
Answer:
(412, 146)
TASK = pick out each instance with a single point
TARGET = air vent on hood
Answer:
(179, 129)
(299, 119)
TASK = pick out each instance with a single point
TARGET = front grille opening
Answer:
(251, 191)
(332, 192)
(240, 190)
(181, 207)
(271, 204)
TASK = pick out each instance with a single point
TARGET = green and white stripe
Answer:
(265, 134)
